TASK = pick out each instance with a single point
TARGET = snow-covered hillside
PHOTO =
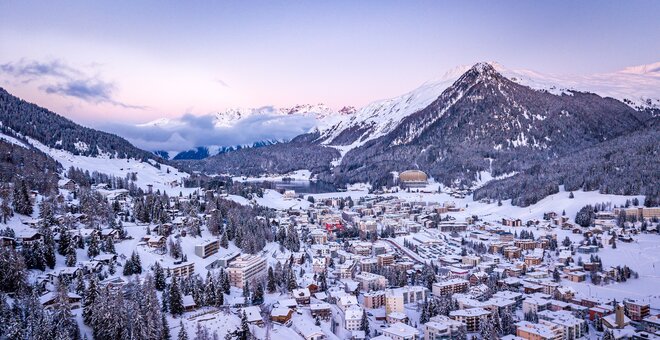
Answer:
(166, 178)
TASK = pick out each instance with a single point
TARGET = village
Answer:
(377, 267)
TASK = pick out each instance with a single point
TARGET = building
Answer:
(302, 296)
(385, 259)
(156, 241)
(578, 276)
(413, 178)
(207, 248)
(353, 318)
(636, 310)
(533, 260)
(471, 260)
(450, 287)
(639, 212)
(538, 331)
(67, 184)
(246, 268)
(572, 327)
(397, 298)
(183, 269)
(401, 331)
(441, 327)
(509, 222)
(369, 281)
(321, 310)
(319, 236)
(535, 305)
(281, 314)
(253, 315)
(374, 299)
(346, 301)
(49, 300)
(470, 317)
(617, 320)
(188, 303)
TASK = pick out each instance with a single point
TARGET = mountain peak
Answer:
(485, 68)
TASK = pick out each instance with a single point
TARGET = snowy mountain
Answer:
(484, 123)
(637, 86)
(348, 128)
(197, 137)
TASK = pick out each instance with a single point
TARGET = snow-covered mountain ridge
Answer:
(637, 86)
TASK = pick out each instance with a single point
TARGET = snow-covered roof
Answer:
(401, 330)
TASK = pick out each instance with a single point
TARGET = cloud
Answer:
(59, 78)
(223, 83)
(33, 69)
(189, 131)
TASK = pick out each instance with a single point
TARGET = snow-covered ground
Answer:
(166, 178)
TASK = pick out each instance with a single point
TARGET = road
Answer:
(406, 251)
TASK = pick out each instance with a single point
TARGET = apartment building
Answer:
(472, 317)
(397, 298)
(246, 268)
(369, 281)
(636, 310)
(572, 327)
(538, 331)
(374, 299)
(183, 269)
(450, 287)
(207, 248)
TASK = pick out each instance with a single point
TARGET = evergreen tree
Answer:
(165, 333)
(183, 335)
(65, 326)
(71, 258)
(258, 297)
(48, 246)
(176, 299)
(271, 286)
(245, 328)
(224, 240)
(93, 248)
(65, 242)
(159, 276)
(110, 246)
(89, 299)
(364, 323)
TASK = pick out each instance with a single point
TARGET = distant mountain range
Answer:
(349, 127)
(488, 121)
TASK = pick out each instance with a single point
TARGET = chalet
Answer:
(281, 314)
(49, 300)
(110, 233)
(156, 241)
(66, 184)
(105, 258)
(253, 315)
(302, 296)
(478, 277)
(7, 242)
(321, 310)
(189, 303)
(28, 236)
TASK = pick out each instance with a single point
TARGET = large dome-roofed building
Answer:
(413, 178)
